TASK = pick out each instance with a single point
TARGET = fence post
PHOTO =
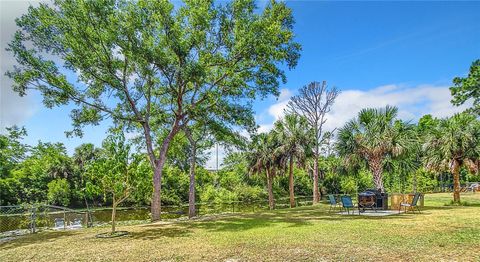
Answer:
(33, 218)
(64, 220)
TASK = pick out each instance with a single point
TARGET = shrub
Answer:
(59, 192)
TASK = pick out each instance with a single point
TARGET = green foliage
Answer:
(115, 174)
(294, 137)
(59, 192)
(453, 144)
(348, 185)
(175, 186)
(468, 88)
(303, 182)
(374, 137)
(364, 180)
(455, 138)
(142, 45)
(12, 153)
(426, 181)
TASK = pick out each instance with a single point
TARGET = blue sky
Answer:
(377, 53)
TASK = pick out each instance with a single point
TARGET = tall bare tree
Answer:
(313, 102)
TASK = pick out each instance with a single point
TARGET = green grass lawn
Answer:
(302, 234)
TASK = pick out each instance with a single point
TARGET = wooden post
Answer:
(64, 219)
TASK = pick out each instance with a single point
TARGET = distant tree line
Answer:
(425, 156)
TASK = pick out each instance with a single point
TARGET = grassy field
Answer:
(446, 233)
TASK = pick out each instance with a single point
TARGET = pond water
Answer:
(21, 218)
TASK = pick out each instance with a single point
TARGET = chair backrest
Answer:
(415, 199)
(347, 201)
(59, 222)
(332, 200)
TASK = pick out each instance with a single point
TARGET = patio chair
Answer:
(347, 204)
(413, 205)
(333, 203)
(59, 223)
(77, 223)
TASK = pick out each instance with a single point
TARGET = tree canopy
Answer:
(372, 137)
(468, 88)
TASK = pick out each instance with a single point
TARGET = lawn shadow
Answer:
(155, 231)
(40, 237)
(297, 217)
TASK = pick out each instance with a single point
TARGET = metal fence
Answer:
(31, 218)
(448, 187)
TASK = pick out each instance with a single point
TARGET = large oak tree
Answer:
(150, 65)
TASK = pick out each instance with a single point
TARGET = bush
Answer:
(59, 192)
(246, 193)
(217, 195)
(348, 185)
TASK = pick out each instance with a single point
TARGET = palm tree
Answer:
(263, 158)
(452, 144)
(372, 137)
(293, 135)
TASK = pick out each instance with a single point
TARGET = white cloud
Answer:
(14, 110)
(412, 102)
(277, 110)
(264, 128)
(212, 159)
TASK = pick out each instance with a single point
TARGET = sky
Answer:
(403, 54)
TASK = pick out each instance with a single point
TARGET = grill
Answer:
(372, 198)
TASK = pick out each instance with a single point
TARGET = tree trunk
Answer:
(376, 168)
(114, 213)
(271, 203)
(157, 165)
(157, 176)
(455, 169)
(157, 187)
(316, 191)
(191, 193)
(290, 184)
